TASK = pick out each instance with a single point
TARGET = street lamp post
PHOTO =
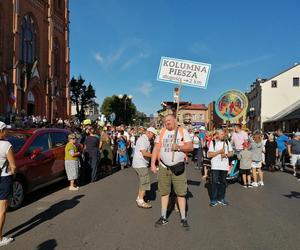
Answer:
(126, 98)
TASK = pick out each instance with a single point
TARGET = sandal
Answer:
(144, 205)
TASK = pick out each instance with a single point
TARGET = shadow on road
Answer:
(151, 195)
(293, 194)
(208, 187)
(194, 183)
(47, 245)
(43, 192)
(46, 215)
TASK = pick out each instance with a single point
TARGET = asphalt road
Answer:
(104, 215)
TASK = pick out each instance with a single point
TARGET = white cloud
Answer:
(199, 48)
(146, 88)
(130, 52)
(99, 58)
(135, 59)
(234, 65)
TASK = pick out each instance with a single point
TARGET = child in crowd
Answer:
(257, 152)
(245, 156)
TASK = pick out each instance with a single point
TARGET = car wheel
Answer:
(18, 194)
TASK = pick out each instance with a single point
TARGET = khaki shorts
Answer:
(166, 178)
(144, 178)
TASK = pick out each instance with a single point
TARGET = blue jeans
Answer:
(218, 186)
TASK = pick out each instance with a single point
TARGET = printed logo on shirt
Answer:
(168, 141)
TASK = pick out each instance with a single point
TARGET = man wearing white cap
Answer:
(294, 151)
(141, 158)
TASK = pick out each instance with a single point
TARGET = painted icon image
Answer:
(231, 105)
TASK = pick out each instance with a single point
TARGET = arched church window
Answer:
(28, 40)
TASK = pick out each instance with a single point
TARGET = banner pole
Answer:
(176, 117)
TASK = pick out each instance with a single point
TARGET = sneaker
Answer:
(223, 202)
(213, 203)
(73, 188)
(5, 241)
(295, 174)
(261, 183)
(161, 222)
(250, 186)
(185, 224)
(245, 186)
(254, 184)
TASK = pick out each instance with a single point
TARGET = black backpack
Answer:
(214, 143)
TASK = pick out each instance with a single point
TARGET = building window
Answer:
(58, 4)
(194, 117)
(274, 84)
(296, 82)
(56, 50)
(201, 117)
(28, 40)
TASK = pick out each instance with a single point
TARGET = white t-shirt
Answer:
(132, 141)
(166, 147)
(238, 139)
(196, 142)
(217, 163)
(139, 161)
(4, 148)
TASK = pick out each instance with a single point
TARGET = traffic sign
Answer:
(112, 117)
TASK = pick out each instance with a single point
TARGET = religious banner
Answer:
(231, 105)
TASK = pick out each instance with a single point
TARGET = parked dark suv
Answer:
(39, 155)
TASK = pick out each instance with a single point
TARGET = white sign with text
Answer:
(178, 71)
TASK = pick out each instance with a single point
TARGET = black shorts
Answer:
(245, 171)
(6, 187)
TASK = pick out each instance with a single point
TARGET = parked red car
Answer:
(39, 155)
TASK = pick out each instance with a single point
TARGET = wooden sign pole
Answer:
(177, 110)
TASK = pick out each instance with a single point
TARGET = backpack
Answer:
(214, 144)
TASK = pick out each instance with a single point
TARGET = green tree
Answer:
(141, 119)
(124, 109)
(82, 95)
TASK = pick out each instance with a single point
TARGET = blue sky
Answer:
(117, 44)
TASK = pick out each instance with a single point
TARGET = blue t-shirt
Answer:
(281, 141)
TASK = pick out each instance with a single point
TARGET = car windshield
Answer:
(17, 140)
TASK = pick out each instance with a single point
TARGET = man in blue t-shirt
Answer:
(282, 141)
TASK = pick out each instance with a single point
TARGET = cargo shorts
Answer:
(166, 178)
(144, 178)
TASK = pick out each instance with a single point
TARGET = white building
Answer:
(272, 96)
(91, 110)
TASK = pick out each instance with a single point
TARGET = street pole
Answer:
(125, 111)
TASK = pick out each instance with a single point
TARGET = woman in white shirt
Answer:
(7, 168)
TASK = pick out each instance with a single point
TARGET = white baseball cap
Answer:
(152, 130)
(2, 125)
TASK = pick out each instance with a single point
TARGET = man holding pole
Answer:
(170, 148)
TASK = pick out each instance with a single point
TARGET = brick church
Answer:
(34, 58)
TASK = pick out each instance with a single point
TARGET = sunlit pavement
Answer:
(104, 215)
